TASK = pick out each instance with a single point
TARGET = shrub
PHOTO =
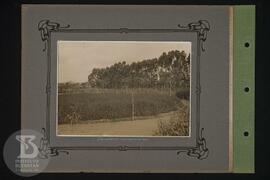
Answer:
(183, 94)
(72, 115)
(178, 125)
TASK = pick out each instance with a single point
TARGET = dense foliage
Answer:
(170, 70)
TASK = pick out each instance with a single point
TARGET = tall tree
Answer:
(170, 70)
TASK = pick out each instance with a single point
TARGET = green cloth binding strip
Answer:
(243, 88)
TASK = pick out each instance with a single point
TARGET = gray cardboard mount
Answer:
(214, 81)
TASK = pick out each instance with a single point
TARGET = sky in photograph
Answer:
(76, 59)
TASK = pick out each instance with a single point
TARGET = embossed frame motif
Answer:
(201, 28)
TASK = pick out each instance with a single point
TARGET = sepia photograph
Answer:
(123, 88)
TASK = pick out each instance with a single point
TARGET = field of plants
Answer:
(97, 104)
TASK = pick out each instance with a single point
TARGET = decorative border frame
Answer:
(201, 28)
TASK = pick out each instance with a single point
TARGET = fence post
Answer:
(132, 103)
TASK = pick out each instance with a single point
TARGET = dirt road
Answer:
(145, 126)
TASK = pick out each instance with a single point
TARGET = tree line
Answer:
(170, 70)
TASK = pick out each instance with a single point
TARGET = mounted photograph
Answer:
(123, 88)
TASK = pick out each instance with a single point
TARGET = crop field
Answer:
(113, 104)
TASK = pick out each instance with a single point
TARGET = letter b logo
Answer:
(26, 142)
